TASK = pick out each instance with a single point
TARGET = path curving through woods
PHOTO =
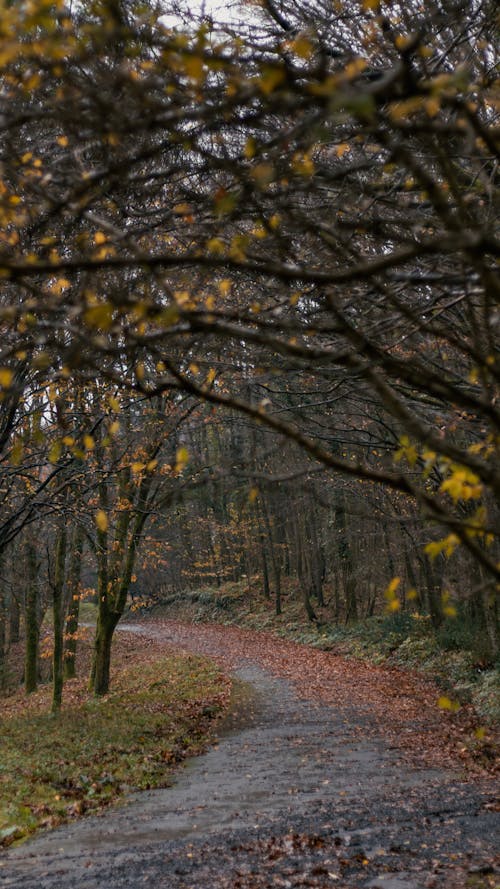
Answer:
(322, 776)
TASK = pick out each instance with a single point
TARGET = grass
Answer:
(54, 768)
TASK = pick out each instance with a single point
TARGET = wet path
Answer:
(291, 795)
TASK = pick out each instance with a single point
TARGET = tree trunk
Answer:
(265, 572)
(58, 618)
(3, 626)
(345, 555)
(73, 584)
(101, 664)
(31, 621)
(433, 595)
(14, 620)
(275, 565)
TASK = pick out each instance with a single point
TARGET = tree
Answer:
(301, 214)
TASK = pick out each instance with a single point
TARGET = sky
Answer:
(228, 11)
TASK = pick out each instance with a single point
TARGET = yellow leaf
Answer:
(193, 66)
(342, 149)
(253, 494)
(216, 246)
(402, 41)
(114, 403)
(445, 703)
(137, 467)
(225, 201)
(303, 165)
(393, 605)
(263, 174)
(58, 286)
(432, 106)
(250, 148)
(114, 427)
(182, 459)
(6, 377)
(16, 454)
(270, 78)
(101, 520)
(392, 601)
(88, 442)
(183, 209)
(100, 238)
(447, 546)
(211, 376)
(100, 316)
(55, 451)
(302, 47)
(62, 141)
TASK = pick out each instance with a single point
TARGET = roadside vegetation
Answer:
(57, 767)
(452, 655)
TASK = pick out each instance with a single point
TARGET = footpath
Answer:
(326, 773)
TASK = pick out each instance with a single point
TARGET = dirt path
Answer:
(298, 791)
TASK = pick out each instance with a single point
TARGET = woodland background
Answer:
(249, 308)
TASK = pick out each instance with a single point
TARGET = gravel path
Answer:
(294, 793)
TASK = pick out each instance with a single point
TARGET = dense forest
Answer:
(249, 308)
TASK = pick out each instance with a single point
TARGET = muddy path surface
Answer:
(302, 788)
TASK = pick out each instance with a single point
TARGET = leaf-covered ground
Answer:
(322, 779)
(160, 709)
(455, 656)
(402, 705)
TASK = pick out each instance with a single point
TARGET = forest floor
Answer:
(327, 772)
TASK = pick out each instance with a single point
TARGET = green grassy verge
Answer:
(54, 768)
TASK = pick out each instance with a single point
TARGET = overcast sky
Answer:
(228, 11)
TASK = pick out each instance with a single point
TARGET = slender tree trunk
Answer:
(433, 595)
(345, 554)
(3, 625)
(73, 587)
(316, 555)
(275, 565)
(14, 620)
(490, 610)
(303, 571)
(58, 619)
(265, 572)
(31, 621)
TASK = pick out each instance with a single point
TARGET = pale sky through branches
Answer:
(184, 13)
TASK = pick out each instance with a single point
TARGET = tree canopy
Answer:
(292, 215)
